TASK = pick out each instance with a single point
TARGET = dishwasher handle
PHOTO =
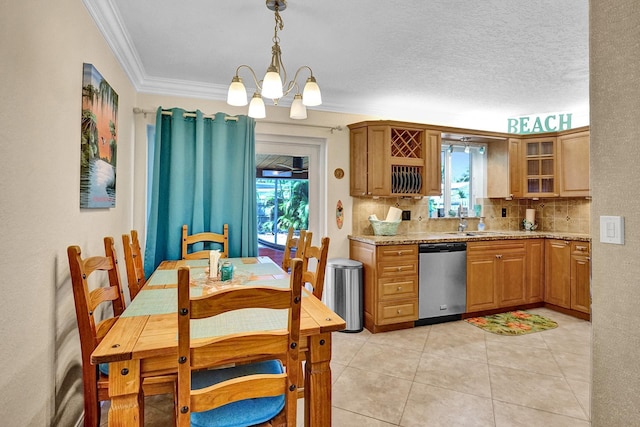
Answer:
(425, 248)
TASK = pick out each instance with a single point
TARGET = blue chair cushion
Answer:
(241, 413)
(104, 368)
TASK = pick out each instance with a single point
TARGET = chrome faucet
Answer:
(462, 222)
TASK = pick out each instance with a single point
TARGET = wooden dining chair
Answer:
(256, 390)
(293, 244)
(94, 321)
(315, 277)
(133, 263)
(204, 237)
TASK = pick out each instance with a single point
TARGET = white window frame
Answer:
(477, 174)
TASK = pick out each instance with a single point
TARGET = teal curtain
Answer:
(202, 175)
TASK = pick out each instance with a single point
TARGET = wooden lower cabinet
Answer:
(557, 287)
(496, 274)
(535, 270)
(568, 275)
(500, 274)
(580, 277)
(390, 275)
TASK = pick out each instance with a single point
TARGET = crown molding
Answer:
(109, 23)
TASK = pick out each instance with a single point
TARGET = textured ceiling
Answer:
(462, 63)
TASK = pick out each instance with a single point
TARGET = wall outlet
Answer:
(406, 215)
(504, 212)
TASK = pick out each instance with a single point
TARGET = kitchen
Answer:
(45, 49)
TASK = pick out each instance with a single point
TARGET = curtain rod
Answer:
(137, 110)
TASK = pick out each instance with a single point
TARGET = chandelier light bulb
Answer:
(311, 94)
(237, 94)
(272, 85)
(256, 107)
(298, 110)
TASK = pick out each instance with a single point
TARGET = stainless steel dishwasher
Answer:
(442, 292)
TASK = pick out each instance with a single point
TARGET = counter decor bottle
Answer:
(481, 224)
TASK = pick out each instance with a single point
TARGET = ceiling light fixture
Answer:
(274, 84)
(465, 139)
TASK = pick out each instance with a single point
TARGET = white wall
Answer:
(42, 48)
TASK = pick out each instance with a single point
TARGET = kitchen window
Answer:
(463, 180)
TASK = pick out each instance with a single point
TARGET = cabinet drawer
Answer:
(496, 247)
(396, 252)
(397, 311)
(398, 287)
(580, 248)
(399, 267)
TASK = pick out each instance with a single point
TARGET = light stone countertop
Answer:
(467, 236)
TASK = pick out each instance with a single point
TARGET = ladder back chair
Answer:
(256, 390)
(314, 277)
(293, 243)
(92, 328)
(204, 237)
(133, 263)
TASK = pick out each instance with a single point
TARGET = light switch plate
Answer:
(612, 230)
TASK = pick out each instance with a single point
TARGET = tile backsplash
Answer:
(555, 214)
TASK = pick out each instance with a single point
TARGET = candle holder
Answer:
(528, 225)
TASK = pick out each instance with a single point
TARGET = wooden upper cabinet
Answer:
(539, 163)
(394, 159)
(358, 156)
(573, 161)
(504, 170)
(433, 181)
(378, 150)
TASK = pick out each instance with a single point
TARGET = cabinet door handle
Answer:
(499, 256)
(399, 253)
(566, 242)
(399, 288)
(588, 258)
(399, 311)
(399, 268)
(581, 248)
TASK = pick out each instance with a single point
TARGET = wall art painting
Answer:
(99, 141)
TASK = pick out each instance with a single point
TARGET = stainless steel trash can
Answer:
(343, 291)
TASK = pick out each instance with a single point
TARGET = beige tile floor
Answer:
(453, 374)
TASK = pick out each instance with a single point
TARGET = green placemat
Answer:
(163, 277)
(240, 321)
(157, 301)
(259, 269)
(197, 262)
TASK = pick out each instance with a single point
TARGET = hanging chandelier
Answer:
(274, 84)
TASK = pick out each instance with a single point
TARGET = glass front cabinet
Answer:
(540, 167)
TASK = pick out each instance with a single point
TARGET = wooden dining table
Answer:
(144, 340)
